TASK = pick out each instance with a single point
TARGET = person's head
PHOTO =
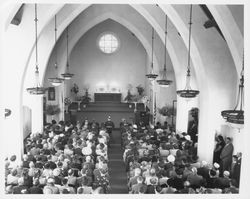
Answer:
(186, 184)
(80, 190)
(220, 138)
(13, 158)
(228, 140)
(137, 171)
(51, 181)
(226, 174)
(179, 171)
(212, 173)
(70, 172)
(14, 172)
(20, 181)
(204, 163)
(47, 166)
(53, 122)
(25, 157)
(194, 170)
(64, 181)
(31, 165)
(153, 181)
(36, 182)
(109, 118)
(152, 171)
(140, 179)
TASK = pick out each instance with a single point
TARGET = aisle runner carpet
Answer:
(118, 178)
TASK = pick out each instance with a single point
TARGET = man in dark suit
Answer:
(140, 187)
(236, 167)
(109, 125)
(226, 155)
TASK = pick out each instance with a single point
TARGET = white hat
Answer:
(216, 165)
(56, 172)
(51, 180)
(171, 158)
(204, 163)
(187, 137)
(134, 126)
(226, 173)
(102, 132)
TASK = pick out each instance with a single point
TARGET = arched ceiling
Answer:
(70, 13)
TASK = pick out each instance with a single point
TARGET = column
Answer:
(37, 113)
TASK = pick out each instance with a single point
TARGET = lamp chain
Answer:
(152, 64)
(165, 56)
(55, 43)
(189, 40)
(36, 37)
(67, 47)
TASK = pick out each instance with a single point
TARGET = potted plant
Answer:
(86, 99)
(67, 102)
(129, 96)
(52, 110)
(140, 89)
(75, 89)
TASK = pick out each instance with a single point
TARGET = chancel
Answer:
(125, 99)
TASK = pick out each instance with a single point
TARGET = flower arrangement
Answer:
(129, 97)
(140, 89)
(166, 111)
(52, 109)
(75, 89)
(86, 99)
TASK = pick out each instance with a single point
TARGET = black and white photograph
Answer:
(126, 97)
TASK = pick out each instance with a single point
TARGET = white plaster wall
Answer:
(95, 68)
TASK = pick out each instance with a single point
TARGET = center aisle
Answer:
(118, 176)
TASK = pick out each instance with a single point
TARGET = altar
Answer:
(107, 97)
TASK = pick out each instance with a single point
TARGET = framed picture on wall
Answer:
(51, 94)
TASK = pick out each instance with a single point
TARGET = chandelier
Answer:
(164, 82)
(152, 76)
(236, 116)
(188, 92)
(37, 89)
(55, 81)
(67, 75)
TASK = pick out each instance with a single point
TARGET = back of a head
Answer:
(80, 190)
(137, 171)
(212, 173)
(64, 181)
(21, 181)
(36, 182)
(13, 158)
(140, 179)
(194, 170)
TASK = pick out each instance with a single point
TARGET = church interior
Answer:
(132, 94)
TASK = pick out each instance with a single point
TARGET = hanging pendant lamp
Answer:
(55, 81)
(164, 82)
(188, 92)
(152, 76)
(236, 116)
(67, 75)
(37, 89)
